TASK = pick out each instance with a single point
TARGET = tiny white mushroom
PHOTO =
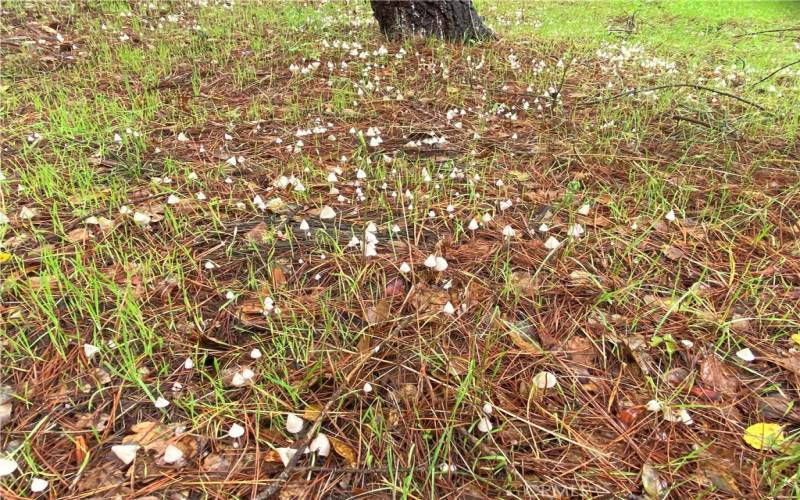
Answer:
(321, 445)
(7, 466)
(38, 485)
(188, 364)
(584, 209)
(509, 232)
(236, 431)
(294, 424)
(286, 455)
(653, 405)
(141, 218)
(405, 268)
(160, 403)
(552, 243)
(441, 264)
(125, 452)
(545, 380)
(670, 216)
(746, 355)
(255, 353)
(430, 261)
(575, 230)
(485, 424)
(367, 388)
(327, 213)
(172, 454)
(90, 350)
(448, 308)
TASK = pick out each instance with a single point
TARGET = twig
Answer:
(689, 119)
(674, 86)
(768, 31)
(303, 442)
(776, 72)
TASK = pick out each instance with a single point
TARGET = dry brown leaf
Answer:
(364, 344)
(522, 337)
(427, 301)
(311, 413)
(344, 450)
(672, 252)
(719, 377)
(582, 351)
(258, 233)
(279, 277)
(216, 462)
(378, 312)
(150, 436)
(581, 278)
(294, 490)
(457, 366)
(638, 348)
(79, 235)
(524, 283)
(107, 478)
(251, 306)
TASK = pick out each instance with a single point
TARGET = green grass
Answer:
(96, 128)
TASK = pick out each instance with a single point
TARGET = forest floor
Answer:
(563, 262)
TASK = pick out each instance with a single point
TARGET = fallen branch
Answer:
(776, 72)
(779, 30)
(674, 86)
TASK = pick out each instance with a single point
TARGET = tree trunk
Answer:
(454, 20)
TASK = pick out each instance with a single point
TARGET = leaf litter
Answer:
(617, 319)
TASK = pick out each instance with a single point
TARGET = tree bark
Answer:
(454, 20)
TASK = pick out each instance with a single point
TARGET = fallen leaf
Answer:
(719, 476)
(522, 335)
(344, 450)
(672, 252)
(311, 413)
(628, 416)
(378, 312)
(582, 351)
(6, 404)
(150, 435)
(764, 436)
(653, 485)
(457, 366)
(79, 235)
(258, 234)
(396, 287)
(718, 376)
(777, 407)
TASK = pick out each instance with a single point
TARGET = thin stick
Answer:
(780, 30)
(775, 72)
(673, 86)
